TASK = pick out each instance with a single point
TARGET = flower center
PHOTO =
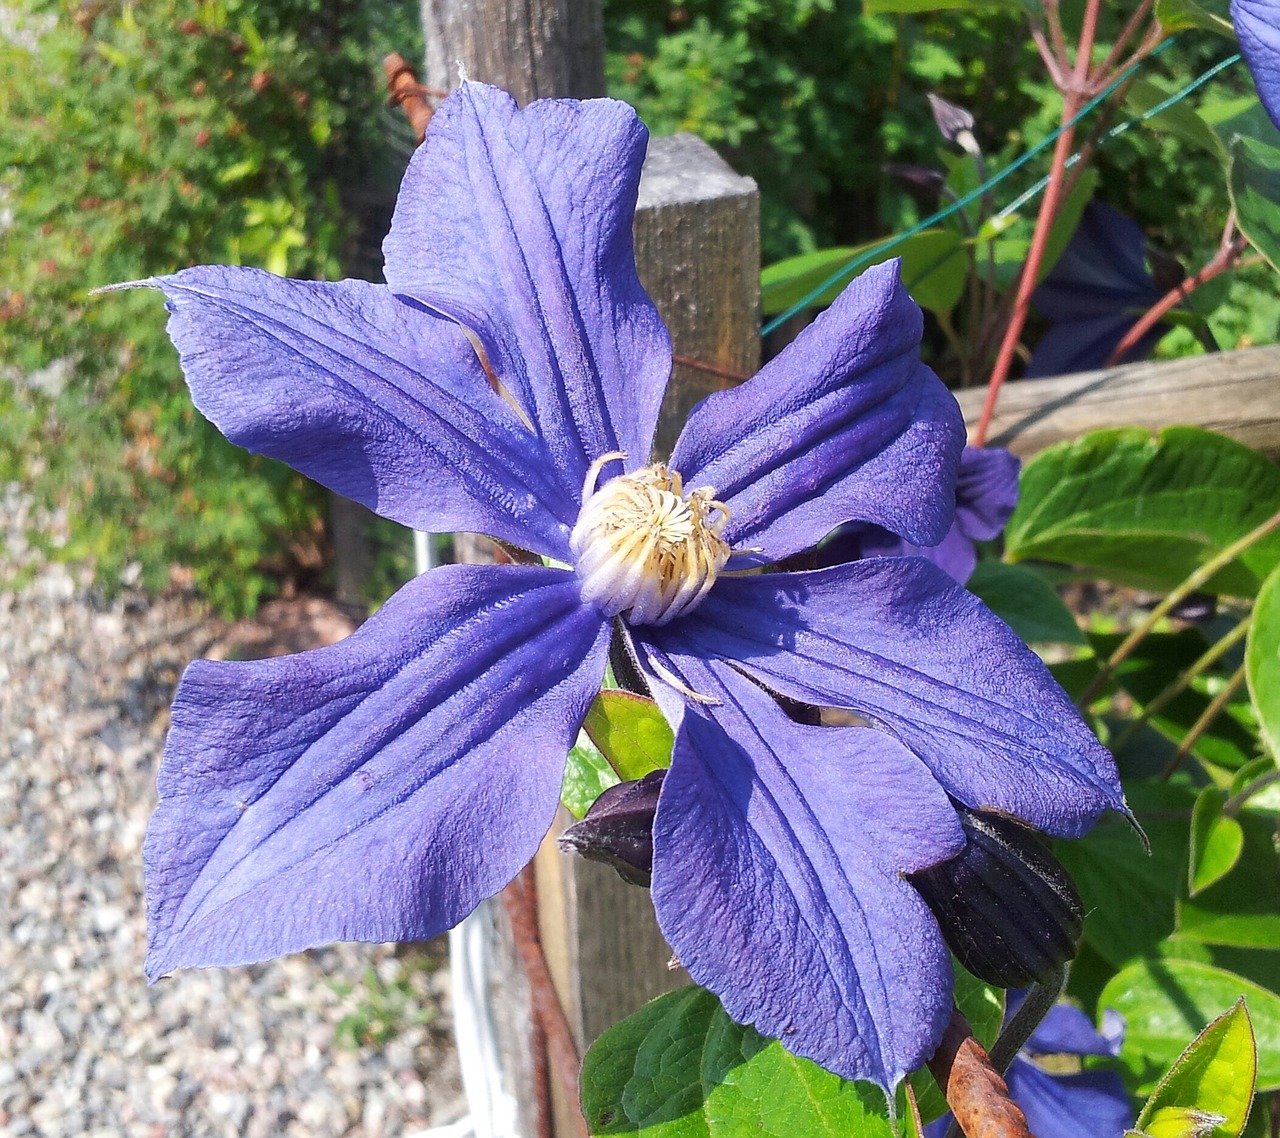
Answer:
(644, 546)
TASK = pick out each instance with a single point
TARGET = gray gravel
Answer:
(86, 1048)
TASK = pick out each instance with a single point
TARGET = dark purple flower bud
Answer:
(926, 177)
(618, 829)
(1006, 907)
(955, 123)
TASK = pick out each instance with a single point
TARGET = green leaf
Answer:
(1026, 602)
(1180, 119)
(1130, 900)
(1240, 909)
(681, 1068)
(1148, 510)
(880, 7)
(1253, 178)
(587, 775)
(1207, 15)
(934, 267)
(630, 732)
(1165, 1001)
(1208, 1091)
(1262, 661)
(1216, 841)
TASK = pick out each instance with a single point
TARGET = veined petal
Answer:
(778, 858)
(899, 642)
(375, 398)
(846, 424)
(517, 223)
(375, 790)
(1257, 25)
(1090, 1104)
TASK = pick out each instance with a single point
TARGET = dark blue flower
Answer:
(1257, 24)
(986, 494)
(507, 380)
(1081, 1104)
(1093, 295)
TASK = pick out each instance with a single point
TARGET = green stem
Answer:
(1210, 657)
(1040, 998)
(1200, 577)
(1236, 802)
(1201, 725)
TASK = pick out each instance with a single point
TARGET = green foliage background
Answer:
(139, 139)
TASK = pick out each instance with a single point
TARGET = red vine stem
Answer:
(1073, 97)
(1225, 258)
(520, 902)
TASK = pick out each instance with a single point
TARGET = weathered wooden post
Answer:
(698, 255)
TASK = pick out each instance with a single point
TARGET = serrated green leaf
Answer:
(1253, 178)
(1262, 661)
(1209, 1089)
(1166, 1001)
(587, 775)
(630, 732)
(1148, 510)
(681, 1068)
(934, 269)
(1207, 15)
(1216, 841)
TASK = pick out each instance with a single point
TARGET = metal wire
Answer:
(847, 270)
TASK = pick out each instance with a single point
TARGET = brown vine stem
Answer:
(978, 1096)
(1188, 586)
(1224, 259)
(1073, 98)
(406, 92)
(1201, 725)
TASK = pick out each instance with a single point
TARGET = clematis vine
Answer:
(507, 380)
(1079, 1103)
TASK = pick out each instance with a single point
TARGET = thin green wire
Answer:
(869, 255)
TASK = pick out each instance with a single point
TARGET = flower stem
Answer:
(1211, 655)
(1201, 725)
(1229, 250)
(1040, 998)
(1188, 586)
(1236, 802)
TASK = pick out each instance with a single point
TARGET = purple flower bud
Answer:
(1006, 907)
(618, 829)
(955, 123)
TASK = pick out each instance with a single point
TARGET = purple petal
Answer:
(897, 641)
(518, 225)
(1091, 1104)
(845, 424)
(779, 851)
(986, 491)
(375, 790)
(1257, 24)
(370, 396)
(1066, 1030)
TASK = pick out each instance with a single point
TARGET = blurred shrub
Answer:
(139, 139)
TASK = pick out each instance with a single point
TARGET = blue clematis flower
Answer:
(507, 380)
(986, 494)
(1257, 24)
(1094, 294)
(1081, 1104)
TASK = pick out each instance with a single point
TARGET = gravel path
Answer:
(86, 1048)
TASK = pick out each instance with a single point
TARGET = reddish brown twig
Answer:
(710, 369)
(520, 901)
(405, 91)
(1229, 250)
(978, 1096)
